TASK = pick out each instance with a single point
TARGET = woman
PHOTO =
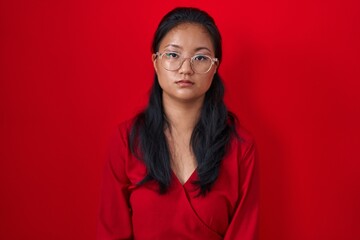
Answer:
(183, 168)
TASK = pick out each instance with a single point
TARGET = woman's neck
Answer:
(182, 116)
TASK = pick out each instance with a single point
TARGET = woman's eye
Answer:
(200, 58)
(171, 55)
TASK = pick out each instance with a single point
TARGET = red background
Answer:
(71, 70)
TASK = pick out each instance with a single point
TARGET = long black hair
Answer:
(211, 135)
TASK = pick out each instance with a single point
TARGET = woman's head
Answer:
(186, 54)
(188, 15)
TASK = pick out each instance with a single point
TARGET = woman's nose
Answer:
(185, 67)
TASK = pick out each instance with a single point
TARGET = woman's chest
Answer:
(182, 207)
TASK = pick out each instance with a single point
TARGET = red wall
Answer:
(70, 70)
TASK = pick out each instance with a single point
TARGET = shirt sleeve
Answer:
(115, 213)
(244, 224)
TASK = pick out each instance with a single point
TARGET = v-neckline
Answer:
(188, 181)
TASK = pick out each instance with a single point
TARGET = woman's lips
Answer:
(184, 83)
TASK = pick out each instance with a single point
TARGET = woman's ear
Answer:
(153, 59)
(216, 67)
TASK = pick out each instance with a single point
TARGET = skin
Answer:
(182, 102)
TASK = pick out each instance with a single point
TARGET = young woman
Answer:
(183, 168)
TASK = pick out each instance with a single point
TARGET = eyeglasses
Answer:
(199, 63)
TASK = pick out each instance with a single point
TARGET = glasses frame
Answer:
(213, 61)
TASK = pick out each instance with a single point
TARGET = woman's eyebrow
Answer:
(196, 49)
(173, 45)
(202, 48)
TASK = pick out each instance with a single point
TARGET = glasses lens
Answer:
(170, 61)
(201, 63)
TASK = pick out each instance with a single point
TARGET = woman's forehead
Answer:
(188, 36)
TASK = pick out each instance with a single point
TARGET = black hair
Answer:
(211, 135)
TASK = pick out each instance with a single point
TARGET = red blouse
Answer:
(229, 211)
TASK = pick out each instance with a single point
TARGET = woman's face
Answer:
(185, 40)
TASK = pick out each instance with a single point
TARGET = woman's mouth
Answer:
(184, 83)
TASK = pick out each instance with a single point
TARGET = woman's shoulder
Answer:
(125, 125)
(121, 132)
(242, 134)
(244, 138)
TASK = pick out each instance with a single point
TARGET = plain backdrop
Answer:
(71, 70)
